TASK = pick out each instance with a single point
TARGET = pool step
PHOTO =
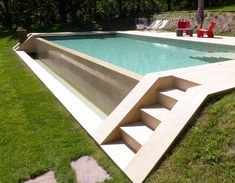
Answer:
(154, 114)
(119, 152)
(141, 124)
(169, 97)
(173, 93)
(136, 134)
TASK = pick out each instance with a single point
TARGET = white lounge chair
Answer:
(162, 26)
(154, 25)
(141, 23)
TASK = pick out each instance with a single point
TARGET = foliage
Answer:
(14, 13)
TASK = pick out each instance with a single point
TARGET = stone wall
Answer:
(225, 20)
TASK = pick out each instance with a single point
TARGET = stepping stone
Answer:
(48, 177)
(88, 171)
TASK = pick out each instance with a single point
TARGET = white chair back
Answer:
(154, 25)
(163, 25)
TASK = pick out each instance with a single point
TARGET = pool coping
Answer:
(219, 40)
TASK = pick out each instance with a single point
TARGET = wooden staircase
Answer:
(137, 127)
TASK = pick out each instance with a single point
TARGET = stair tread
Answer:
(157, 111)
(139, 131)
(119, 152)
(173, 93)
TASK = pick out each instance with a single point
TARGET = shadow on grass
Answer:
(33, 175)
(116, 25)
(10, 33)
(109, 25)
(67, 27)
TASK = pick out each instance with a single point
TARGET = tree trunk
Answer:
(62, 11)
(120, 8)
(138, 7)
(168, 5)
(5, 9)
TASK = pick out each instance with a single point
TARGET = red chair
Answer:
(209, 32)
(184, 25)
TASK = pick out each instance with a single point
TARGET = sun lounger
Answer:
(162, 26)
(141, 23)
(154, 25)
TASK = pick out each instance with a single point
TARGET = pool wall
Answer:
(104, 84)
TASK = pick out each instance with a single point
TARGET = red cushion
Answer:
(182, 25)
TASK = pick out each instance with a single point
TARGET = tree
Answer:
(45, 12)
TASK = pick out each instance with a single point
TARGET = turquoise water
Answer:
(141, 56)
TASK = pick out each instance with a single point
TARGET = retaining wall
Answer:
(102, 83)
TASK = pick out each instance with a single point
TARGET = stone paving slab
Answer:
(88, 171)
(48, 177)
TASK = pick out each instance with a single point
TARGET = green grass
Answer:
(223, 8)
(228, 34)
(37, 134)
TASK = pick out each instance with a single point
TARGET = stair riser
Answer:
(166, 101)
(183, 84)
(150, 120)
(132, 143)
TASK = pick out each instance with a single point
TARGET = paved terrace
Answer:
(222, 40)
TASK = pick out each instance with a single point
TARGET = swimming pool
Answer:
(104, 85)
(145, 55)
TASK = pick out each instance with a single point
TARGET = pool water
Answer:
(142, 56)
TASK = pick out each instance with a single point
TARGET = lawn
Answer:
(223, 8)
(37, 134)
